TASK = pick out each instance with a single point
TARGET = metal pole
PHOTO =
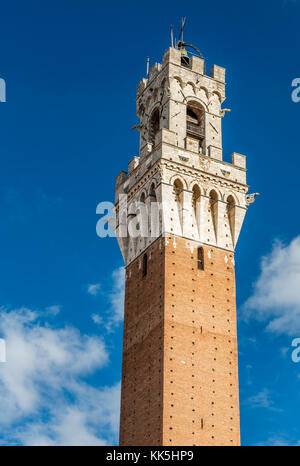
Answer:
(148, 66)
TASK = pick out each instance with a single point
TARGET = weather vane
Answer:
(180, 44)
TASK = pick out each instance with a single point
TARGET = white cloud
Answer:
(53, 310)
(284, 351)
(276, 293)
(94, 289)
(116, 297)
(115, 301)
(280, 440)
(262, 400)
(97, 319)
(44, 397)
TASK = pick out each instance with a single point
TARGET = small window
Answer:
(145, 265)
(195, 122)
(185, 61)
(200, 259)
(154, 125)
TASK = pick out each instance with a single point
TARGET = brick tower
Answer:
(180, 361)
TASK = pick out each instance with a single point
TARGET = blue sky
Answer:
(71, 69)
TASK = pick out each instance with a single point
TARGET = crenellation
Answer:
(238, 160)
(142, 86)
(156, 68)
(198, 65)
(171, 55)
(218, 73)
(134, 162)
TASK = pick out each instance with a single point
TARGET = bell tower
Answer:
(179, 212)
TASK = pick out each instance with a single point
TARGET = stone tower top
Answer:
(180, 163)
(178, 88)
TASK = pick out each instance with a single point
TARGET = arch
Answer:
(230, 200)
(235, 200)
(216, 190)
(196, 204)
(195, 121)
(154, 124)
(178, 195)
(180, 81)
(176, 176)
(142, 215)
(230, 208)
(213, 206)
(178, 189)
(197, 101)
(218, 94)
(196, 194)
(213, 195)
(193, 183)
(205, 90)
(152, 192)
(143, 197)
(154, 219)
(190, 83)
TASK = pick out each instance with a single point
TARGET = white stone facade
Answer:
(202, 198)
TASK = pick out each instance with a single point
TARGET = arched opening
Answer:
(195, 122)
(145, 265)
(142, 216)
(200, 258)
(178, 192)
(213, 196)
(196, 205)
(154, 212)
(154, 125)
(230, 203)
(152, 193)
(196, 197)
(231, 215)
(143, 198)
(213, 207)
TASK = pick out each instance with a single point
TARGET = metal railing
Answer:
(195, 129)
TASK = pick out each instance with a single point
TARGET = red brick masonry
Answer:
(180, 367)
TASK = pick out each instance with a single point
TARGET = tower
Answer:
(179, 213)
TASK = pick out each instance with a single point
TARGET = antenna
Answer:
(183, 21)
(148, 65)
(172, 42)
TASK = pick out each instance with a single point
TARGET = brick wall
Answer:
(180, 373)
(142, 368)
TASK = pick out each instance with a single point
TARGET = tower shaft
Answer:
(180, 367)
(179, 213)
